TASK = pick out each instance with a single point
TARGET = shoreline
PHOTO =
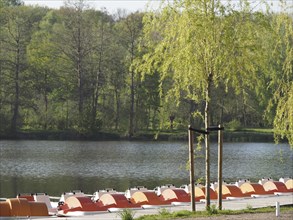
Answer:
(229, 136)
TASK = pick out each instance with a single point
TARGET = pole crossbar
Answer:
(215, 128)
(198, 131)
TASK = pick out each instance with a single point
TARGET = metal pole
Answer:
(277, 209)
(220, 163)
(191, 161)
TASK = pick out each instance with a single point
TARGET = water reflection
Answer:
(58, 166)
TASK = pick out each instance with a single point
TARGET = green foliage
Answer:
(85, 70)
(164, 212)
(182, 213)
(17, 26)
(212, 210)
(283, 123)
(7, 3)
(233, 125)
(189, 214)
(197, 47)
(282, 79)
(200, 180)
(249, 207)
(126, 214)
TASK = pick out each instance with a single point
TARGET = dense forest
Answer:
(190, 62)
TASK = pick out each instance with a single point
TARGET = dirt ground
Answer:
(288, 215)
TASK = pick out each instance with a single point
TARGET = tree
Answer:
(16, 29)
(117, 72)
(199, 45)
(100, 59)
(131, 27)
(7, 3)
(281, 75)
(43, 72)
(79, 46)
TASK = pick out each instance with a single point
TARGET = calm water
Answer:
(58, 166)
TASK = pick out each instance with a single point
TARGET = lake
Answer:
(61, 166)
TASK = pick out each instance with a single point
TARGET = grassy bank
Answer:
(243, 135)
(213, 212)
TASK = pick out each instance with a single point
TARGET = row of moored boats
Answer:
(77, 203)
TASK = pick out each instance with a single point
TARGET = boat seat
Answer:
(84, 204)
(116, 200)
(22, 207)
(253, 188)
(5, 210)
(38, 209)
(175, 195)
(264, 180)
(43, 197)
(160, 189)
(231, 191)
(200, 193)
(289, 184)
(99, 193)
(131, 191)
(75, 193)
(276, 187)
(29, 197)
(147, 198)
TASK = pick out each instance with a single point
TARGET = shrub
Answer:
(212, 210)
(233, 125)
(182, 213)
(126, 214)
(249, 207)
(164, 212)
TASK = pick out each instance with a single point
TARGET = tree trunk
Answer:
(15, 116)
(207, 144)
(117, 117)
(192, 107)
(79, 71)
(98, 77)
(131, 113)
(46, 110)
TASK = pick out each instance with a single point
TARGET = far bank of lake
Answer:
(260, 135)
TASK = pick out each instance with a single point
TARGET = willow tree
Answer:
(198, 45)
(282, 75)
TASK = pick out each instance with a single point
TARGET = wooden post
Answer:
(191, 163)
(220, 163)
(208, 181)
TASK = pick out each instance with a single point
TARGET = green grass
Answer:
(258, 130)
(230, 135)
(126, 214)
(188, 214)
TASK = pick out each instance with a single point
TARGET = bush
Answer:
(212, 210)
(164, 212)
(126, 214)
(182, 213)
(233, 125)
